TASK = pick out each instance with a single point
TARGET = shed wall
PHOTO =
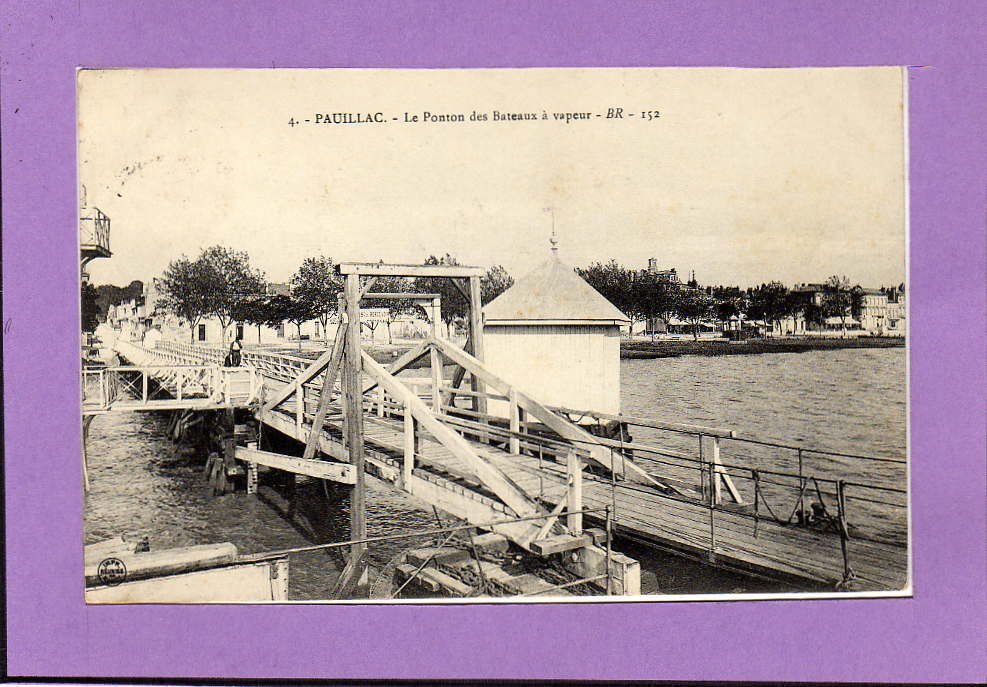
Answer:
(576, 366)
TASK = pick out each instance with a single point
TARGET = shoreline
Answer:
(646, 350)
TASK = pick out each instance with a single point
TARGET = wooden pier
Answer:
(432, 437)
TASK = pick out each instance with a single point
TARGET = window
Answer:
(202, 332)
(239, 331)
(280, 330)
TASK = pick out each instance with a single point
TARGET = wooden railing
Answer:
(186, 375)
(417, 417)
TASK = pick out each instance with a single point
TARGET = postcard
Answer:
(493, 335)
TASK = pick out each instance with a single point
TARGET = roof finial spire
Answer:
(553, 239)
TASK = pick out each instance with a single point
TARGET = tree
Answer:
(230, 279)
(109, 294)
(90, 308)
(495, 282)
(837, 299)
(317, 285)
(695, 308)
(255, 311)
(185, 291)
(726, 308)
(770, 303)
(813, 313)
(619, 286)
(655, 298)
(281, 309)
(613, 282)
(454, 305)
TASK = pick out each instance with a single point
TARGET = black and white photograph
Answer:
(498, 336)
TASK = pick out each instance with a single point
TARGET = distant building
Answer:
(882, 311)
(879, 311)
(670, 275)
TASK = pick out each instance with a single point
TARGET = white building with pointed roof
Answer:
(556, 338)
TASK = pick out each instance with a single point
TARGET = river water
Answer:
(851, 401)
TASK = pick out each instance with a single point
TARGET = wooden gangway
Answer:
(431, 436)
(159, 382)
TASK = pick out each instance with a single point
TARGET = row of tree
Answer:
(222, 283)
(649, 297)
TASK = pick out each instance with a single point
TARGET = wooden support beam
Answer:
(514, 443)
(409, 357)
(369, 284)
(307, 375)
(476, 341)
(320, 469)
(354, 570)
(394, 270)
(410, 443)
(560, 543)
(457, 380)
(564, 428)
(435, 362)
(402, 296)
(353, 366)
(552, 519)
(328, 387)
(591, 561)
(492, 477)
(472, 510)
(463, 290)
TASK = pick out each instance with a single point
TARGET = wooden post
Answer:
(436, 315)
(354, 424)
(229, 448)
(436, 363)
(476, 341)
(711, 453)
(574, 494)
(718, 475)
(144, 376)
(380, 401)
(514, 442)
(179, 378)
(410, 444)
(251, 471)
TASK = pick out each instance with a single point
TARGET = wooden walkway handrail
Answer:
(563, 427)
(492, 477)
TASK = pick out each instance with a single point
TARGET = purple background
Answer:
(936, 636)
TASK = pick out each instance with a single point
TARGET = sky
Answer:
(746, 176)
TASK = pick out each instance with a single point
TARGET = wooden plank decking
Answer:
(793, 554)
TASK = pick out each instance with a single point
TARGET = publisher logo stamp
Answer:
(112, 571)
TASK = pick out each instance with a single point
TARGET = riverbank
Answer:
(632, 350)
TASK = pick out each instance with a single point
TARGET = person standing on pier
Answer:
(233, 359)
